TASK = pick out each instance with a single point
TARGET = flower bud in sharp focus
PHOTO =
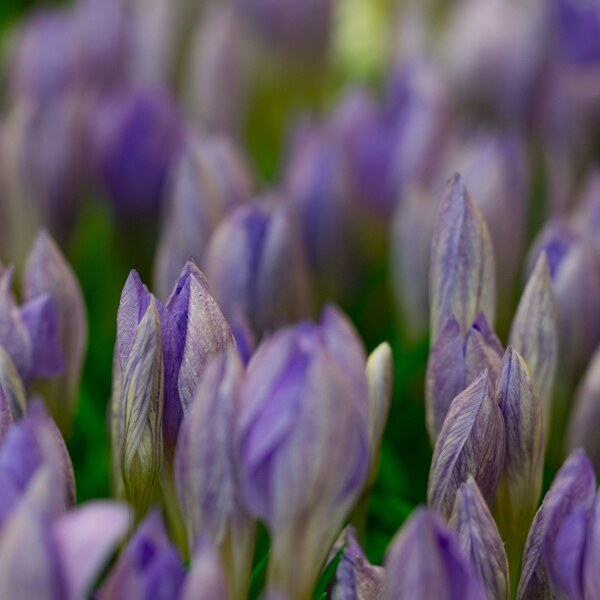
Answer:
(424, 560)
(304, 443)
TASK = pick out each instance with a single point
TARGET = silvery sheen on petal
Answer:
(206, 470)
(424, 560)
(462, 274)
(205, 579)
(47, 272)
(534, 331)
(574, 486)
(471, 442)
(480, 540)
(300, 386)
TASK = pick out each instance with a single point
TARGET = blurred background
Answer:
(137, 132)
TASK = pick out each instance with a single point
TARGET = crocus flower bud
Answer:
(206, 470)
(256, 266)
(149, 567)
(47, 272)
(356, 579)
(583, 424)
(480, 540)
(135, 137)
(471, 442)
(304, 491)
(454, 363)
(141, 407)
(380, 376)
(573, 486)
(12, 392)
(206, 579)
(462, 274)
(209, 178)
(534, 331)
(425, 560)
(591, 575)
(521, 482)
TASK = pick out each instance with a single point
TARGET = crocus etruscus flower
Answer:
(471, 442)
(206, 470)
(47, 272)
(573, 486)
(479, 539)
(304, 491)
(462, 274)
(425, 560)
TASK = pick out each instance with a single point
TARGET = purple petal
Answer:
(482, 351)
(12, 392)
(206, 578)
(471, 442)
(591, 557)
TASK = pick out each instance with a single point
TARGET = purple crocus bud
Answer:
(139, 406)
(356, 578)
(210, 177)
(591, 575)
(425, 560)
(521, 483)
(135, 137)
(583, 424)
(380, 376)
(462, 273)
(149, 567)
(13, 397)
(205, 579)
(573, 486)
(412, 232)
(298, 30)
(577, 28)
(479, 539)
(534, 331)
(256, 266)
(471, 442)
(47, 272)
(454, 363)
(304, 491)
(206, 470)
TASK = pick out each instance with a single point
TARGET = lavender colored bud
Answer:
(135, 137)
(149, 567)
(256, 266)
(412, 232)
(380, 377)
(471, 442)
(479, 539)
(425, 560)
(206, 470)
(462, 274)
(583, 424)
(83, 539)
(591, 556)
(454, 364)
(304, 491)
(13, 398)
(521, 483)
(140, 409)
(209, 178)
(573, 487)
(534, 331)
(577, 25)
(47, 272)
(356, 578)
(205, 579)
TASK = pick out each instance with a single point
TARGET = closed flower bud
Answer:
(304, 383)
(462, 274)
(534, 331)
(206, 470)
(480, 540)
(209, 178)
(573, 488)
(47, 272)
(425, 560)
(256, 266)
(149, 566)
(471, 443)
(206, 579)
(521, 482)
(454, 363)
(356, 579)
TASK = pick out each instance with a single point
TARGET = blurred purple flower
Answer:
(577, 29)
(205, 579)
